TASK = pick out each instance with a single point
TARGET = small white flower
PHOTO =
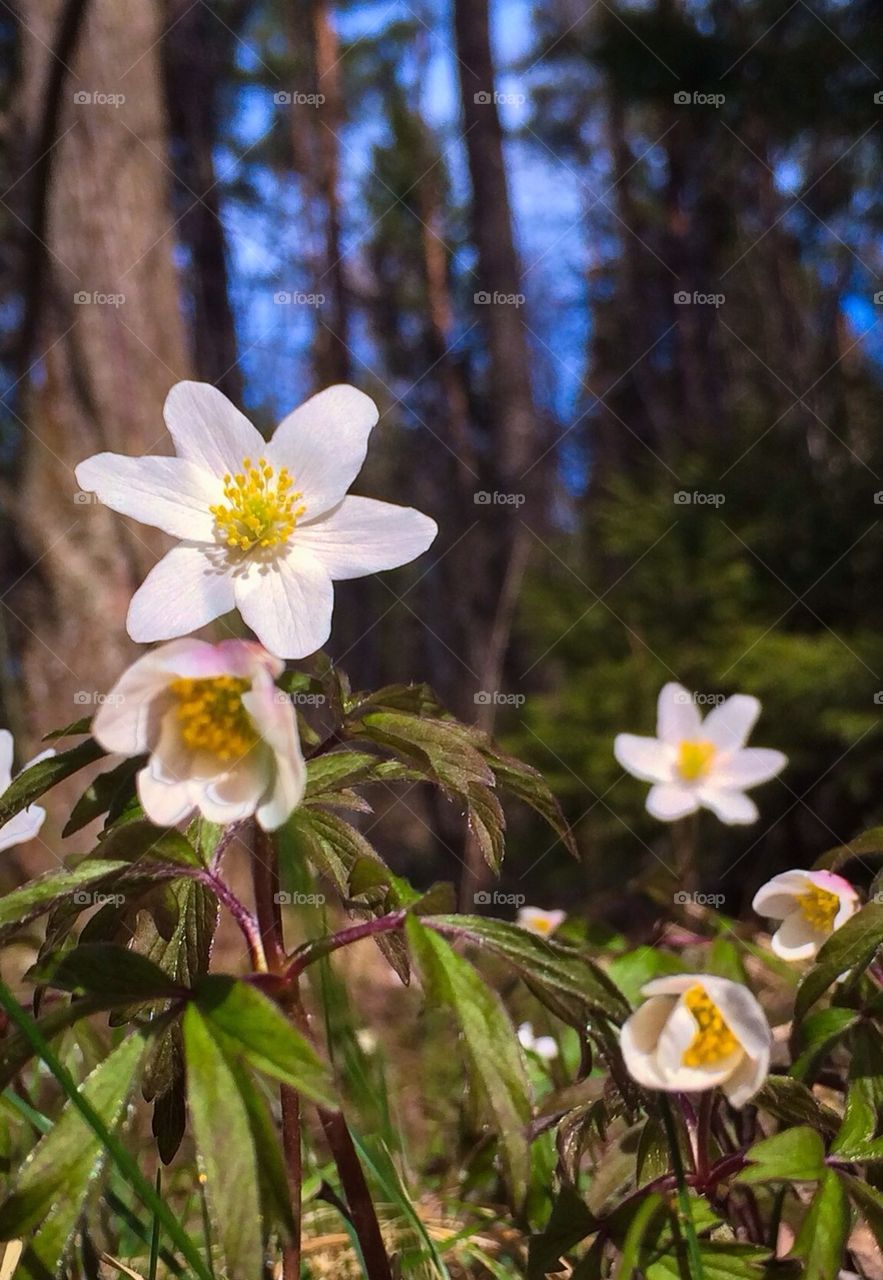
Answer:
(695, 763)
(811, 906)
(221, 737)
(545, 1047)
(536, 920)
(695, 1032)
(26, 824)
(264, 527)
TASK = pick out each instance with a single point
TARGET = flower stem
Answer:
(686, 1209)
(244, 919)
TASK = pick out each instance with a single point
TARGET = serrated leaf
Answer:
(224, 1143)
(794, 1155)
(105, 794)
(35, 897)
(852, 946)
(248, 1025)
(790, 1101)
(818, 1034)
(106, 970)
(492, 1049)
(528, 785)
(823, 1233)
(134, 840)
(864, 1095)
(63, 1162)
(32, 782)
(487, 822)
(331, 845)
(444, 749)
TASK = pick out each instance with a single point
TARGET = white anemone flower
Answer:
(696, 1032)
(536, 920)
(545, 1047)
(695, 763)
(264, 527)
(27, 823)
(221, 737)
(811, 906)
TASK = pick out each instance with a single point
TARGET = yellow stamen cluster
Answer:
(261, 509)
(694, 759)
(542, 924)
(818, 907)
(211, 716)
(714, 1040)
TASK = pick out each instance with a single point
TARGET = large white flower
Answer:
(222, 738)
(810, 904)
(695, 1032)
(695, 763)
(26, 824)
(265, 527)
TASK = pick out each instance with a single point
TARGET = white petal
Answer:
(729, 725)
(183, 592)
(796, 939)
(235, 794)
(748, 767)
(209, 430)
(6, 755)
(677, 718)
(741, 1012)
(168, 493)
(362, 536)
(128, 720)
(276, 721)
(667, 802)
(323, 443)
(732, 807)
(745, 1081)
(165, 803)
(546, 1047)
(776, 898)
(22, 827)
(536, 920)
(287, 603)
(525, 1035)
(645, 758)
(638, 1039)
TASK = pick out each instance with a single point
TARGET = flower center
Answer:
(211, 716)
(261, 508)
(714, 1040)
(542, 924)
(694, 759)
(818, 907)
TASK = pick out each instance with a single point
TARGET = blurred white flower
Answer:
(221, 737)
(545, 1047)
(536, 920)
(26, 824)
(695, 1032)
(263, 527)
(695, 763)
(810, 904)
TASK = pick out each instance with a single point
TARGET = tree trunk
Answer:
(108, 343)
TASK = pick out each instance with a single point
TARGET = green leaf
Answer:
(223, 1134)
(633, 970)
(104, 969)
(790, 1101)
(852, 946)
(823, 1233)
(38, 896)
(569, 1223)
(528, 785)
(31, 783)
(58, 1171)
(108, 792)
(16, 1049)
(331, 845)
(818, 1034)
(549, 967)
(76, 729)
(444, 749)
(720, 1261)
(869, 1202)
(794, 1155)
(134, 840)
(864, 1096)
(250, 1026)
(869, 842)
(652, 1206)
(492, 1050)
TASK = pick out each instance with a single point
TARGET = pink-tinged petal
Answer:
(276, 721)
(129, 719)
(796, 939)
(677, 719)
(165, 803)
(745, 1081)
(644, 758)
(729, 724)
(6, 756)
(288, 603)
(183, 591)
(362, 536)
(832, 883)
(167, 493)
(323, 444)
(731, 807)
(670, 802)
(22, 827)
(748, 767)
(209, 430)
(538, 921)
(776, 898)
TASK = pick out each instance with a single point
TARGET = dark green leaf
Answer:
(818, 1034)
(528, 785)
(76, 729)
(794, 1155)
(492, 1050)
(444, 749)
(103, 969)
(822, 1237)
(32, 782)
(16, 1049)
(37, 896)
(570, 1222)
(852, 946)
(134, 840)
(106, 792)
(864, 1096)
(793, 1103)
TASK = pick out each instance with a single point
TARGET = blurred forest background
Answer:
(589, 258)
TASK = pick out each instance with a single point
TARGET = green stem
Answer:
(686, 1208)
(112, 1145)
